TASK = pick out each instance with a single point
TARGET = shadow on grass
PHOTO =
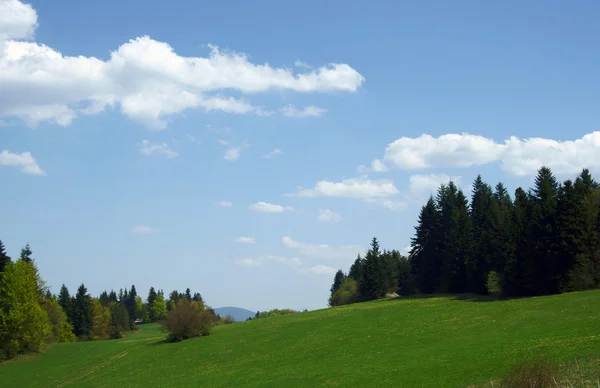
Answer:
(461, 297)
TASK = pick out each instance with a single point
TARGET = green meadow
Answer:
(446, 341)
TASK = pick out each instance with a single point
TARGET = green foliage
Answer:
(187, 320)
(82, 310)
(338, 279)
(26, 254)
(346, 294)
(274, 313)
(62, 330)
(494, 283)
(158, 308)
(4, 259)
(24, 324)
(373, 284)
(120, 319)
(423, 254)
(101, 321)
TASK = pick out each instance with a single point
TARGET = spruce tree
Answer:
(188, 294)
(4, 259)
(338, 279)
(372, 285)
(64, 300)
(103, 298)
(544, 233)
(482, 212)
(112, 296)
(82, 313)
(356, 270)
(151, 296)
(26, 254)
(423, 255)
(131, 305)
(197, 297)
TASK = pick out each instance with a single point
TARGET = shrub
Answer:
(187, 320)
(228, 319)
(494, 283)
(346, 294)
(534, 373)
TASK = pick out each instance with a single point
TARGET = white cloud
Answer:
(143, 229)
(255, 261)
(265, 207)
(391, 204)
(329, 217)
(518, 157)
(159, 149)
(245, 240)
(308, 111)
(361, 187)
(192, 138)
(376, 166)
(143, 77)
(224, 204)
(223, 142)
(272, 154)
(234, 153)
(322, 270)
(17, 20)
(422, 186)
(24, 161)
(322, 251)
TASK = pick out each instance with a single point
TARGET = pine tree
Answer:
(544, 233)
(82, 313)
(64, 299)
(197, 297)
(502, 233)
(4, 259)
(372, 284)
(131, 305)
(356, 270)
(112, 296)
(338, 279)
(26, 254)
(482, 219)
(423, 254)
(104, 299)
(188, 294)
(151, 296)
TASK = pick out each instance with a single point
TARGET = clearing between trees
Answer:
(441, 341)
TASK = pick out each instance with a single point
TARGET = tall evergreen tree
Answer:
(423, 254)
(373, 282)
(544, 233)
(64, 300)
(131, 305)
(4, 258)
(104, 299)
(482, 214)
(26, 254)
(82, 313)
(197, 297)
(338, 279)
(112, 296)
(356, 269)
(151, 296)
(188, 294)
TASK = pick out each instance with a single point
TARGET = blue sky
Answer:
(137, 140)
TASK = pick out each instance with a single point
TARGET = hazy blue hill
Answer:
(239, 314)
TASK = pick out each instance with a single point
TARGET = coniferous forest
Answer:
(545, 240)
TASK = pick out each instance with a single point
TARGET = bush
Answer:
(187, 320)
(531, 374)
(494, 283)
(346, 294)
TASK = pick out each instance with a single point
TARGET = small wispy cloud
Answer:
(265, 207)
(272, 154)
(143, 229)
(224, 203)
(308, 111)
(159, 149)
(245, 240)
(329, 217)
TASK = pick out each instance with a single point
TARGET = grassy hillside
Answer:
(418, 342)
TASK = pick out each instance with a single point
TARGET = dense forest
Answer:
(542, 241)
(30, 316)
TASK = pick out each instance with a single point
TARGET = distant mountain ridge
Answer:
(238, 313)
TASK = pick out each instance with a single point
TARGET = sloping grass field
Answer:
(414, 342)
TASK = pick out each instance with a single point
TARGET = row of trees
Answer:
(30, 316)
(542, 241)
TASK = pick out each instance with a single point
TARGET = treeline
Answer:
(273, 313)
(545, 240)
(30, 316)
